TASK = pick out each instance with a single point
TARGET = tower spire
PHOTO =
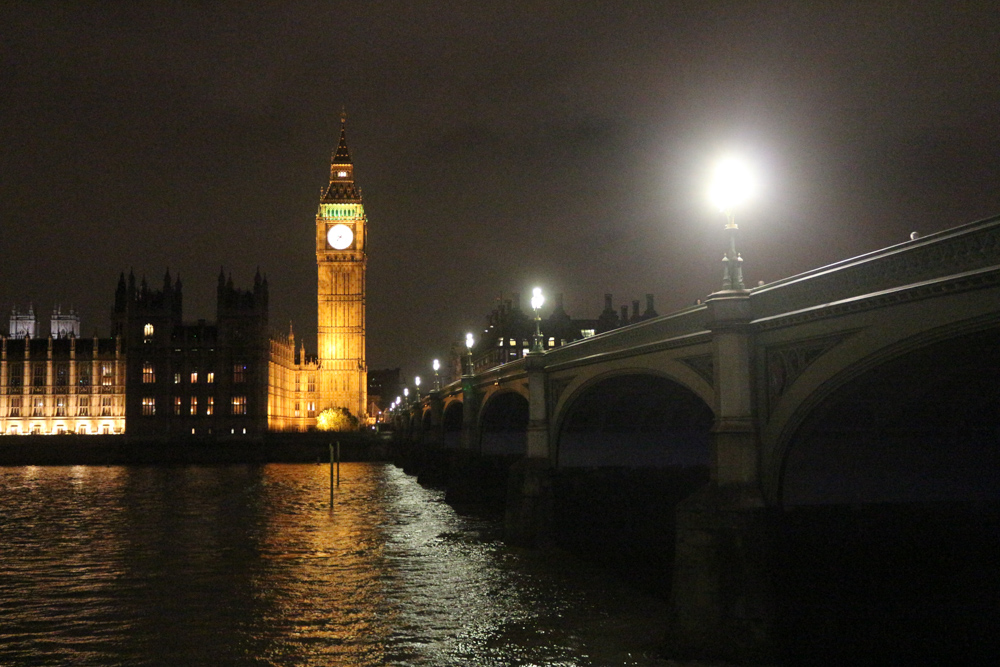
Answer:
(341, 187)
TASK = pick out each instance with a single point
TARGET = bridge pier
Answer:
(722, 598)
(722, 602)
(470, 415)
(529, 483)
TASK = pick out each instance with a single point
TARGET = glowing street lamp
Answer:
(416, 381)
(731, 186)
(469, 342)
(437, 378)
(406, 396)
(537, 300)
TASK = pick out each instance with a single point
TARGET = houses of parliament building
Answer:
(157, 375)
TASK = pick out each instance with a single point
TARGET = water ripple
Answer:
(248, 565)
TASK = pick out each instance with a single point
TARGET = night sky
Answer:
(498, 145)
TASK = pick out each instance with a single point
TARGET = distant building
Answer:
(193, 378)
(509, 331)
(50, 386)
(383, 387)
(228, 377)
(64, 326)
(22, 325)
(59, 383)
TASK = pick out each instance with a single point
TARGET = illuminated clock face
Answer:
(339, 237)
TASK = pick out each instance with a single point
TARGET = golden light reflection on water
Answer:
(247, 565)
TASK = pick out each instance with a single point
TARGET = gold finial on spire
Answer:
(343, 115)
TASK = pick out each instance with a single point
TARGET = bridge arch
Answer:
(503, 423)
(635, 418)
(899, 425)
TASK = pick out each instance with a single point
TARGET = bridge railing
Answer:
(658, 331)
(951, 252)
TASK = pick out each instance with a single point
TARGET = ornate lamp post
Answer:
(406, 396)
(731, 186)
(416, 391)
(469, 342)
(437, 378)
(536, 303)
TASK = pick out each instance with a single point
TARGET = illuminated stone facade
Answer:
(301, 387)
(292, 393)
(51, 386)
(341, 258)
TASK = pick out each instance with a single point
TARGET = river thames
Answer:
(248, 565)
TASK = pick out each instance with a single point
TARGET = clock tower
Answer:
(341, 257)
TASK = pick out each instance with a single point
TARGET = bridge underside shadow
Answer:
(891, 488)
(630, 448)
(451, 425)
(636, 421)
(504, 425)
(911, 430)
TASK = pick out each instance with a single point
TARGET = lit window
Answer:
(311, 386)
(210, 405)
(210, 377)
(341, 174)
(15, 406)
(552, 341)
(83, 407)
(39, 407)
(149, 406)
(312, 409)
(177, 378)
(239, 405)
(147, 331)
(60, 406)
(239, 373)
(107, 374)
(513, 342)
(297, 383)
(194, 377)
(177, 405)
(587, 333)
(297, 410)
(148, 373)
(105, 406)
(194, 405)
(82, 429)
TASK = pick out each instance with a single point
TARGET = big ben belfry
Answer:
(341, 257)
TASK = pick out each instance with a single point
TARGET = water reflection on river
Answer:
(247, 565)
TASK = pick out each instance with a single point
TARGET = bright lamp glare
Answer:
(468, 341)
(437, 365)
(536, 298)
(732, 184)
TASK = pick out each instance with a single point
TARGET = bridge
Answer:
(871, 380)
